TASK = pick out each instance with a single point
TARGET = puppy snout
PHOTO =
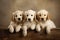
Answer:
(42, 19)
(18, 18)
(29, 19)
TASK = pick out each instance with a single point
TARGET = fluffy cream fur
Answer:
(16, 21)
(44, 21)
(29, 21)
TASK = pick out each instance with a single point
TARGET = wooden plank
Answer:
(32, 35)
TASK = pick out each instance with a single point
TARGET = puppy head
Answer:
(17, 16)
(30, 15)
(42, 15)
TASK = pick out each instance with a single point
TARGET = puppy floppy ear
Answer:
(47, 17)
(13, 19)
(37, 17)
(34, 16)
(24, 18)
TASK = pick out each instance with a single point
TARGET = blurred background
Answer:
(9, 6)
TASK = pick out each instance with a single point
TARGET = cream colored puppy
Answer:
(29, 21)
(44, 21)
(16, 21)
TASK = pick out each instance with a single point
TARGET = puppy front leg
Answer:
(48, 30)
(18, 28)
(32, 26)
(24, 30)
(38, 29)
(11, 29)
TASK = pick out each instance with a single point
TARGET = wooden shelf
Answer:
(32, 35)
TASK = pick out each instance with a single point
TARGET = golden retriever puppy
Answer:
(44, 21)
(16, 21)
(29, 21)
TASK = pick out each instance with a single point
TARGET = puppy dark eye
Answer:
(31, 15)
(27, 15)
(40, 15)
(44, 15)
(20, 15)
(16, 15)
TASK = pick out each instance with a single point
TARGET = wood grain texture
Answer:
(32, 35)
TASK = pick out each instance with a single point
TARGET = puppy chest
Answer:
(43, 25)
(28, 24)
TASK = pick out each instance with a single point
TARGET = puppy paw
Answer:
(24, 34)
(11, 29)
(38, 29)
(32, 27)
(18, 28)
(48, 30)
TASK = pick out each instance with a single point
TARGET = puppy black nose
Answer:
(29, 19)
(18, 18)
(42, 19)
